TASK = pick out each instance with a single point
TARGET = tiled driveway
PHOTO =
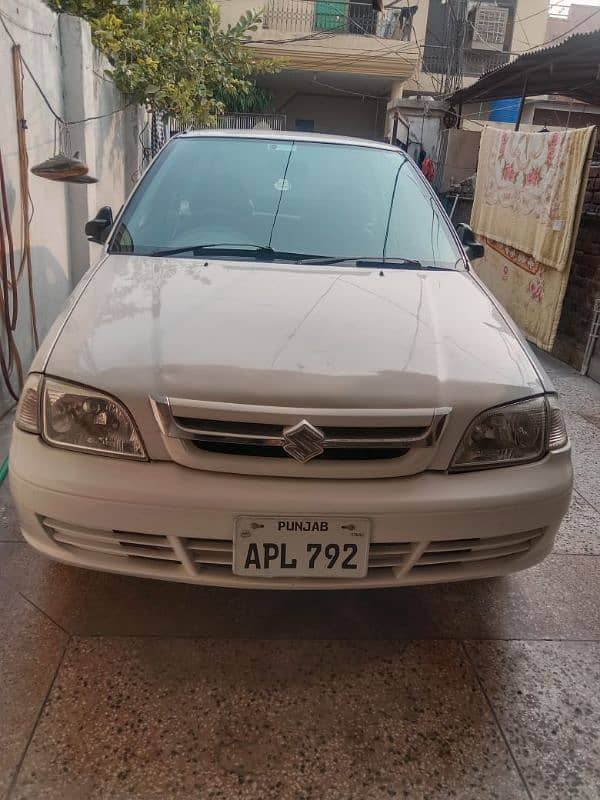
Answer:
(115, 687)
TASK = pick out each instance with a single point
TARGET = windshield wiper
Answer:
(225, 246)
(259, 251)
(387, 262)
(267, 253)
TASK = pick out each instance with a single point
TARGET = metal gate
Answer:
(162, 128)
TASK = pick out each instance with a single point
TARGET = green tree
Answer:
(174, 57)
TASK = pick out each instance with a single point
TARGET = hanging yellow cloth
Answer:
(527, 206)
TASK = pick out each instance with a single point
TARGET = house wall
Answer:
(59, 53)
(338, 114)
(585, 17)
(531, 20)
(49, 241)
(561, 117)
(460, 162)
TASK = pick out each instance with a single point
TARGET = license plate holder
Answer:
(301, 547)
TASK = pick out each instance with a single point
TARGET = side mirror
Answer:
(97, 229)
(472, 247)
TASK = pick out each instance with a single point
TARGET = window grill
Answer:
(489, 26)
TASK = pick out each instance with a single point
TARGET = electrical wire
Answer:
(564, 33)
(542, 11)
(339, 64)
(8, 296)
(516, 104)
(348, 91)
(10, 276)
(358, 54)
(25, 28)
(56, 116)
(330, 32)
(520, 23)
(421, 49)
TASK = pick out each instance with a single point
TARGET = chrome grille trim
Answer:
(270, 435)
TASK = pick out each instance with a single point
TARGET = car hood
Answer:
(291, 335)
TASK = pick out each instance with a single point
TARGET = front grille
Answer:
(210, 552)
(264, 431)
(258, 439)
(269, 451)
(299, 442)
(451, 553)
(271, 440)
(120, 544)
(173, 555)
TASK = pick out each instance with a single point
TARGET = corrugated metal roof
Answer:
(570, 68)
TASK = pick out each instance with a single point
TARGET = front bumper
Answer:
(161, 520)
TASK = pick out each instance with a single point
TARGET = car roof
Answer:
(289, 136)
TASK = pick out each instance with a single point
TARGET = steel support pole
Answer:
(521, 104)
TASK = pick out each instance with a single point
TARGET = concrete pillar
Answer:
(76, 51)
(396, 93)
(397, 90)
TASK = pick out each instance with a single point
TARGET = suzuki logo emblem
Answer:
(303, 441)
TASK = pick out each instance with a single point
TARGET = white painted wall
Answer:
(60, 54)
(49, 243)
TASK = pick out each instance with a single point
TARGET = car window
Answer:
(321, 199)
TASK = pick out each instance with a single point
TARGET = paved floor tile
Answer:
(254, 707)
(8, 522)
(546, 697)
(30, 650)
(9, 527)
(585, 440)
(577, 393)
(559, 599)
(135, 718)
(580, 530)
(6, 423)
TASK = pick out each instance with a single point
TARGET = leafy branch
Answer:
(174, 57)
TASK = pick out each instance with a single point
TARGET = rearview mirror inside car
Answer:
(472, 247)
(97, 229)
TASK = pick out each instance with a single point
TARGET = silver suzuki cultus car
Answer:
(284, 373)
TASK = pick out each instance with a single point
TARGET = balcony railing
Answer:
(274, 122)
(333, 16)
(475, 62)
(241, 121)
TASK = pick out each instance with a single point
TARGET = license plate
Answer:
(307, 547)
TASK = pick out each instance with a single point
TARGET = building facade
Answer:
(349, 69)
(342, 61)
(459, 40)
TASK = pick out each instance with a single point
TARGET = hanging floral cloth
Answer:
(526, 209)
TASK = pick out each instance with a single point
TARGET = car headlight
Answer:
(516, 433)
(78, 418)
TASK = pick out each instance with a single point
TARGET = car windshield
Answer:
(294, 198)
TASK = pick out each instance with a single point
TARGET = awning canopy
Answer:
(571, 68)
